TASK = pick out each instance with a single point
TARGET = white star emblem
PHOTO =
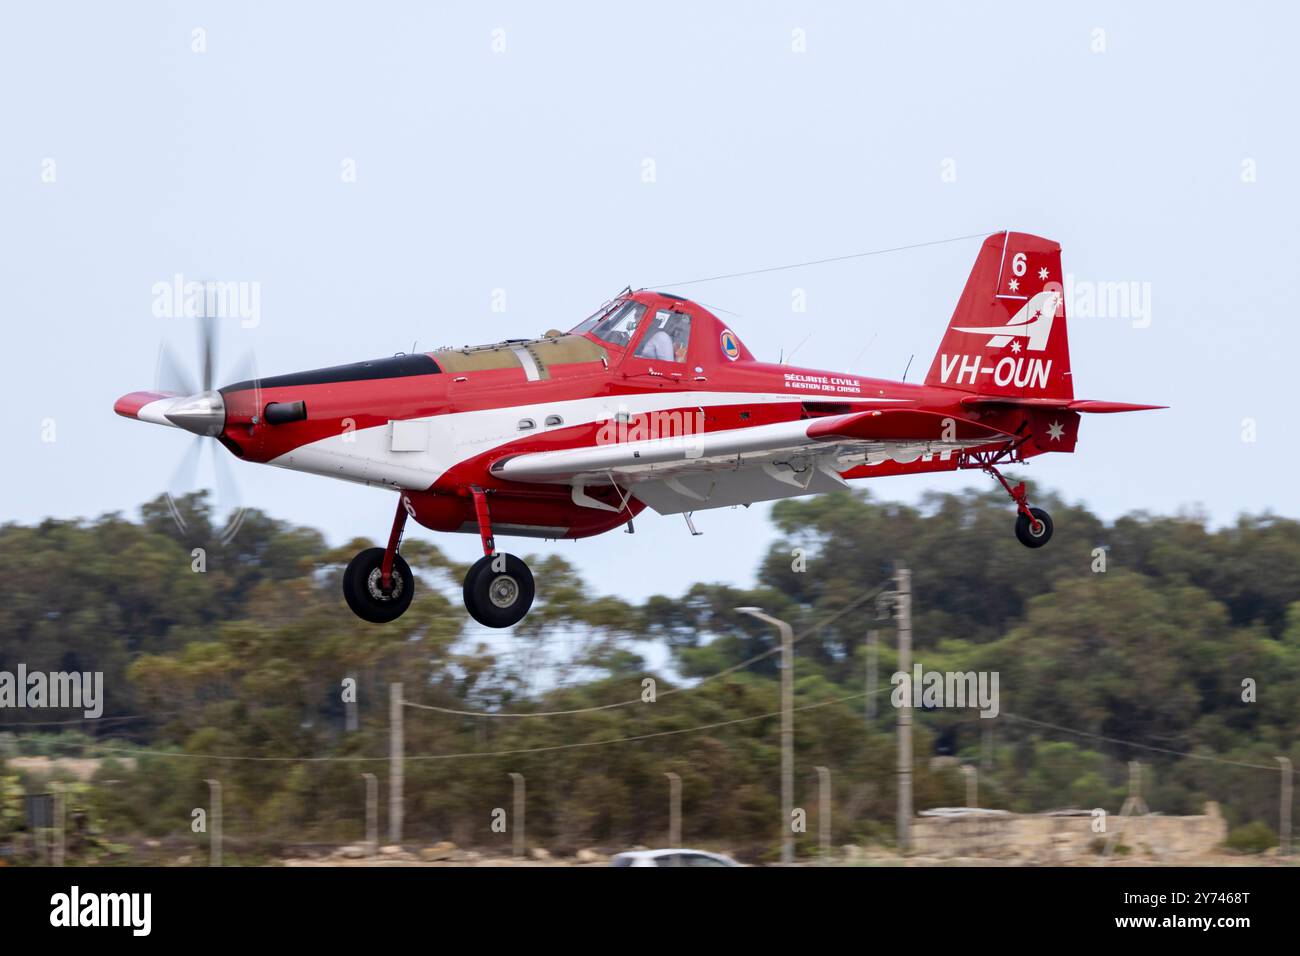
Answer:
(1014, 284)
(1042, 273)
(1015, 346)
(1055, 431)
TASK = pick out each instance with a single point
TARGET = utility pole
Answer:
(903, 606)
(674, 809)
(60, 817)
(972, 785)
(350, 712)
(787, 729)
(824, 812)
(395, 763)
(1134, 806)
(1284, 811)
(372, 813)
(787, 739)
(973, 826)
(517, 827)
(872, 640)
(214, 821)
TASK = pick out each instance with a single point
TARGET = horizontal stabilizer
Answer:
(902, 424)
(1069, 404)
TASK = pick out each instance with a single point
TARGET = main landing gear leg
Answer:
(394, 542)
(484, 520)
(499, 587)
(1033, 525)
(378, 584)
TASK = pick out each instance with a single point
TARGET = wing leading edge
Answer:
(744, 465)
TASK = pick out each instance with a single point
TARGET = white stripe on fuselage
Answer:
(365, 455)
(594, 459)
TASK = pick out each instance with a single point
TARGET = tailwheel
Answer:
(366, 593)
(498, 590)
(1033, 525)
(1034, 529)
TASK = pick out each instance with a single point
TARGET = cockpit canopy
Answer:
(663, 328)
(645, 326)
(615, 322)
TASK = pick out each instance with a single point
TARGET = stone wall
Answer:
(1067, 837)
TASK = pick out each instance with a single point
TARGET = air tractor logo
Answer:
(1032, 324)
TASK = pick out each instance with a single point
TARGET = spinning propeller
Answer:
(199, 408)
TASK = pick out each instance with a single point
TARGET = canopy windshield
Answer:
(615, 323)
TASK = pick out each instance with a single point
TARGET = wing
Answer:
(742, 465)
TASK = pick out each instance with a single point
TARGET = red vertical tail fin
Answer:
(1007, 336)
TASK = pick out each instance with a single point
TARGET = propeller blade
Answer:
(184, 477)
(227, 502)
(207, 349)
(169, 376)
(246, 371)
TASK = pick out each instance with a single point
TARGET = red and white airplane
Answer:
(651, 402)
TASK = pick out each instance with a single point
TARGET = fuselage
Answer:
(651, 402)
(433, 424)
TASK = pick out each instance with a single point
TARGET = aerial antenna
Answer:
(714, 308)
(864, 349)
(819, 262)
(795, 349)
(909, 365)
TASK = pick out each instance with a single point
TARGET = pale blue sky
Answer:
(522, 170)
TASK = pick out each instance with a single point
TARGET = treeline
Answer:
(1149, 638)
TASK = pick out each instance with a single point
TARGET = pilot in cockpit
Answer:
(666, 338)
(658, 345)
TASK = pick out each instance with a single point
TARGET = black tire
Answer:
(498, 598)
(364, 594)
(1030, 536)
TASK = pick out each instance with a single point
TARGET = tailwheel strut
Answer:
(1033, 525)
(499, 587)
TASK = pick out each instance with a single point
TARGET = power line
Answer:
(493, 753)
(666, 733)
(852, 605)
(1133, 743)
(87, 720)
(819, 262)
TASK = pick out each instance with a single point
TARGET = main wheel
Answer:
(498, 590)
(1036, 533)
(364, 591)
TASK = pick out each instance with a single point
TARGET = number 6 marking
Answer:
(1018, 264)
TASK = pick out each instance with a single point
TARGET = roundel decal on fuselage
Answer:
(730, 347)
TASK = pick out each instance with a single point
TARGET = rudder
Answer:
(1007, 336)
